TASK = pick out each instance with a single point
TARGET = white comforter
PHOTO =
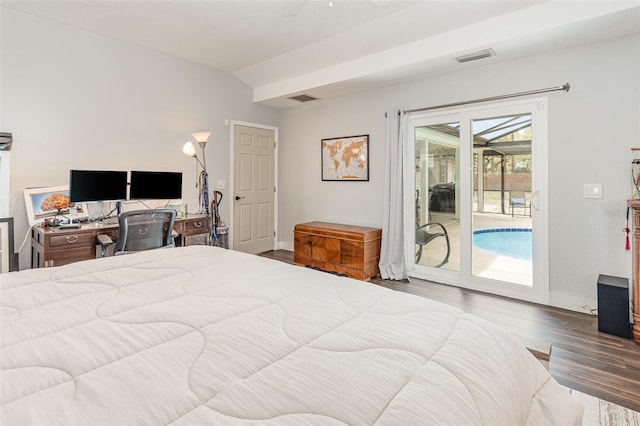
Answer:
(202, 335)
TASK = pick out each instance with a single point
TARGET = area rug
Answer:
(598, 412)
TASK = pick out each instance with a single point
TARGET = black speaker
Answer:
(613, 306)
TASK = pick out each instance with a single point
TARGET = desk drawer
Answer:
(73, 254)
(196, 226)
(83, 238)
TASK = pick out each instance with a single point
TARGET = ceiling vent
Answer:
(303, 98)
(481, 54)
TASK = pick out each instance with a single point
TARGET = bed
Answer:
(204, 335)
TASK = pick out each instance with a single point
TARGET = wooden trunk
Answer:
(635, 206)
(345, 249)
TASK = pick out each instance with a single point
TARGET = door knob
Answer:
(239, 197)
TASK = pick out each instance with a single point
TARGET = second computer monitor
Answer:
(146, 185)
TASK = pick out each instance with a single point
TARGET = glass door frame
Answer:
(537, 107)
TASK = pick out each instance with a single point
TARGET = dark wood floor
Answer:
(582, 358)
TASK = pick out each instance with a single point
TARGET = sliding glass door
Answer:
(478, 189)
(437, 195)
(502, 243)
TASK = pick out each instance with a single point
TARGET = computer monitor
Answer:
(88, 186)
(155, 185)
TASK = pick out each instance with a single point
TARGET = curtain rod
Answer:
(565, 87)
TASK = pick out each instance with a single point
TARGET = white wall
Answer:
(591, 130)
(77, 100)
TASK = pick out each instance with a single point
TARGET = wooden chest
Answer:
(344, 249)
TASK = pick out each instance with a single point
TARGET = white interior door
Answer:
(253, 195)
(469, 164)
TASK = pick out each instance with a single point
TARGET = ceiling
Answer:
(287, 48)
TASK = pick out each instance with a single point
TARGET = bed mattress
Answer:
(203, 335)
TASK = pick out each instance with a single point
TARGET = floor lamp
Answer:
(203, 181)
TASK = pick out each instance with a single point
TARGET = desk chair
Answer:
(425, 234)
(145, 230)
(518, 199)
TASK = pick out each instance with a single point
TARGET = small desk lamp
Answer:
(203, 183)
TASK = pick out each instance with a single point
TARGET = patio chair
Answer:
(518, 199)
(425, 234)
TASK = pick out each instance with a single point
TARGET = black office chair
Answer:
(424, 235)
(145, 230)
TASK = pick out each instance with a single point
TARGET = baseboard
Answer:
(283, 245)
(568, 301)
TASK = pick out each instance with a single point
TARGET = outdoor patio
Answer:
(485, 263)
(501, 185)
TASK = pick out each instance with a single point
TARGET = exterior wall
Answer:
(515, 181)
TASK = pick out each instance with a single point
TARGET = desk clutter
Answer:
(56, 246)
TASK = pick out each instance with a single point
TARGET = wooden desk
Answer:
(56, 247)
(345, 249)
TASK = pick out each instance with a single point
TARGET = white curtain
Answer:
(392, 256)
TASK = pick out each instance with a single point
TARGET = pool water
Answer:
(512, 242)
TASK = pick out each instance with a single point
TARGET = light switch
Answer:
(221, 184)
(592, 190)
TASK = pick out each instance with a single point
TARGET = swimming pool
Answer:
(512, 242)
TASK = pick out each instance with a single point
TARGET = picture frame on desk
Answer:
(36, 199)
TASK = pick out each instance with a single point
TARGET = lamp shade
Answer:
(201, 137)
(189, 149)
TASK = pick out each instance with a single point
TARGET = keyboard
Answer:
(71, 226)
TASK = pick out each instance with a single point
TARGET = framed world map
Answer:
(346, 158)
